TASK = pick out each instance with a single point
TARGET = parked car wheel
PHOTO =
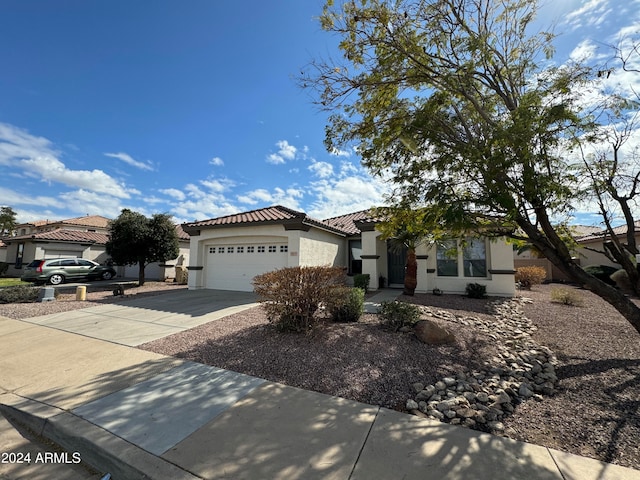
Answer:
(56, 279)
(106, 275)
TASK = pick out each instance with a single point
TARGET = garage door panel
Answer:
(231, 268)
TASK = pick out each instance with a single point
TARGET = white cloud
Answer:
(218, 185)
(174, 192)
(84, 202)
(285, 152)
(349, 190)
(321, 169)
(126, 158)
(336, 152)
(36, 157)
(289, 197)
(11, 197)
(590, 14)
(584, 52)
(216, 161)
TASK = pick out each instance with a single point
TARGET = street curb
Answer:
(98, 448)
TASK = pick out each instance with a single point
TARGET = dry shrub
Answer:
(566, 296)
(529, 276)
(291, 296)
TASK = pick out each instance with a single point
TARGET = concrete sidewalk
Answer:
(134, 413)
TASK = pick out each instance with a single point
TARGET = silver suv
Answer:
(58, 270)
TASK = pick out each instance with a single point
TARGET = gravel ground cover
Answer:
(594, 412)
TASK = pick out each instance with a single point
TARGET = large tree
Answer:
(137, 240)
(7, 221)
(456, 102)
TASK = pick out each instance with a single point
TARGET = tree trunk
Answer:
(411, 273)
(565, 263)
(140, 274)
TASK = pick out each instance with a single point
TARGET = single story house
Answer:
(82, 237)
(227, 252)
(596, 240)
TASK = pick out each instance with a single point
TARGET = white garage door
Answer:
(233, 266)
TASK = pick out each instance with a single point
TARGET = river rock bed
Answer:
(521, 371)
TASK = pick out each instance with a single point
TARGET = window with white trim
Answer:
(220, 249)
(240, 249)
(261, 249)
(250, 249)
(212, 249)
(272, 249)
(284, 248)
(229, 249)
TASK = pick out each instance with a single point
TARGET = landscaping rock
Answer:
(431, 333)
(521, 370)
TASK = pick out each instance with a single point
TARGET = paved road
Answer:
(43, 462)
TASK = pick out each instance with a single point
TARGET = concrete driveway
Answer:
(140, 320)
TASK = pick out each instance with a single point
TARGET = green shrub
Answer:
(476, 290)
(19, 294)
(347, 304)
(396, 314)
(4, 266)
(361, 281)
(566, 296)
(529, 276)
(602, 272)
(291, 296)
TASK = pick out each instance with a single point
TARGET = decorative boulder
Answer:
(432, 334)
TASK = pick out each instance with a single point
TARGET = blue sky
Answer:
(191, 108)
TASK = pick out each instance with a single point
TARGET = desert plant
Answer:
(19, 294)
(347, 304)
(291, 296)
(529, 276)
(476, 290)
(361, 281)
(396, 315)
(566, 296)
(602, 272)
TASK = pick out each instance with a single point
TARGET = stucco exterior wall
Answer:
(318, 248)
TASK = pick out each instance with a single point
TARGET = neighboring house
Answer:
(227, 252)
(3, 251)
(596, 240)
(529, 258)
(83, 237)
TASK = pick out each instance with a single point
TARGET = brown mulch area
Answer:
(596, 409)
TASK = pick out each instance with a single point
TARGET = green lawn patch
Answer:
(11, 281)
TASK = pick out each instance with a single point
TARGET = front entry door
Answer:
(397, 260)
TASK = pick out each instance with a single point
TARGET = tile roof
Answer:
(618, 231)
(88, 221)
(96, 221)
(276, 214)
(63, 235)
(182, 235)
(273, 214)
(349, 222)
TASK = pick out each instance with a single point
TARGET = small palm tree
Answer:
(405, 228)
